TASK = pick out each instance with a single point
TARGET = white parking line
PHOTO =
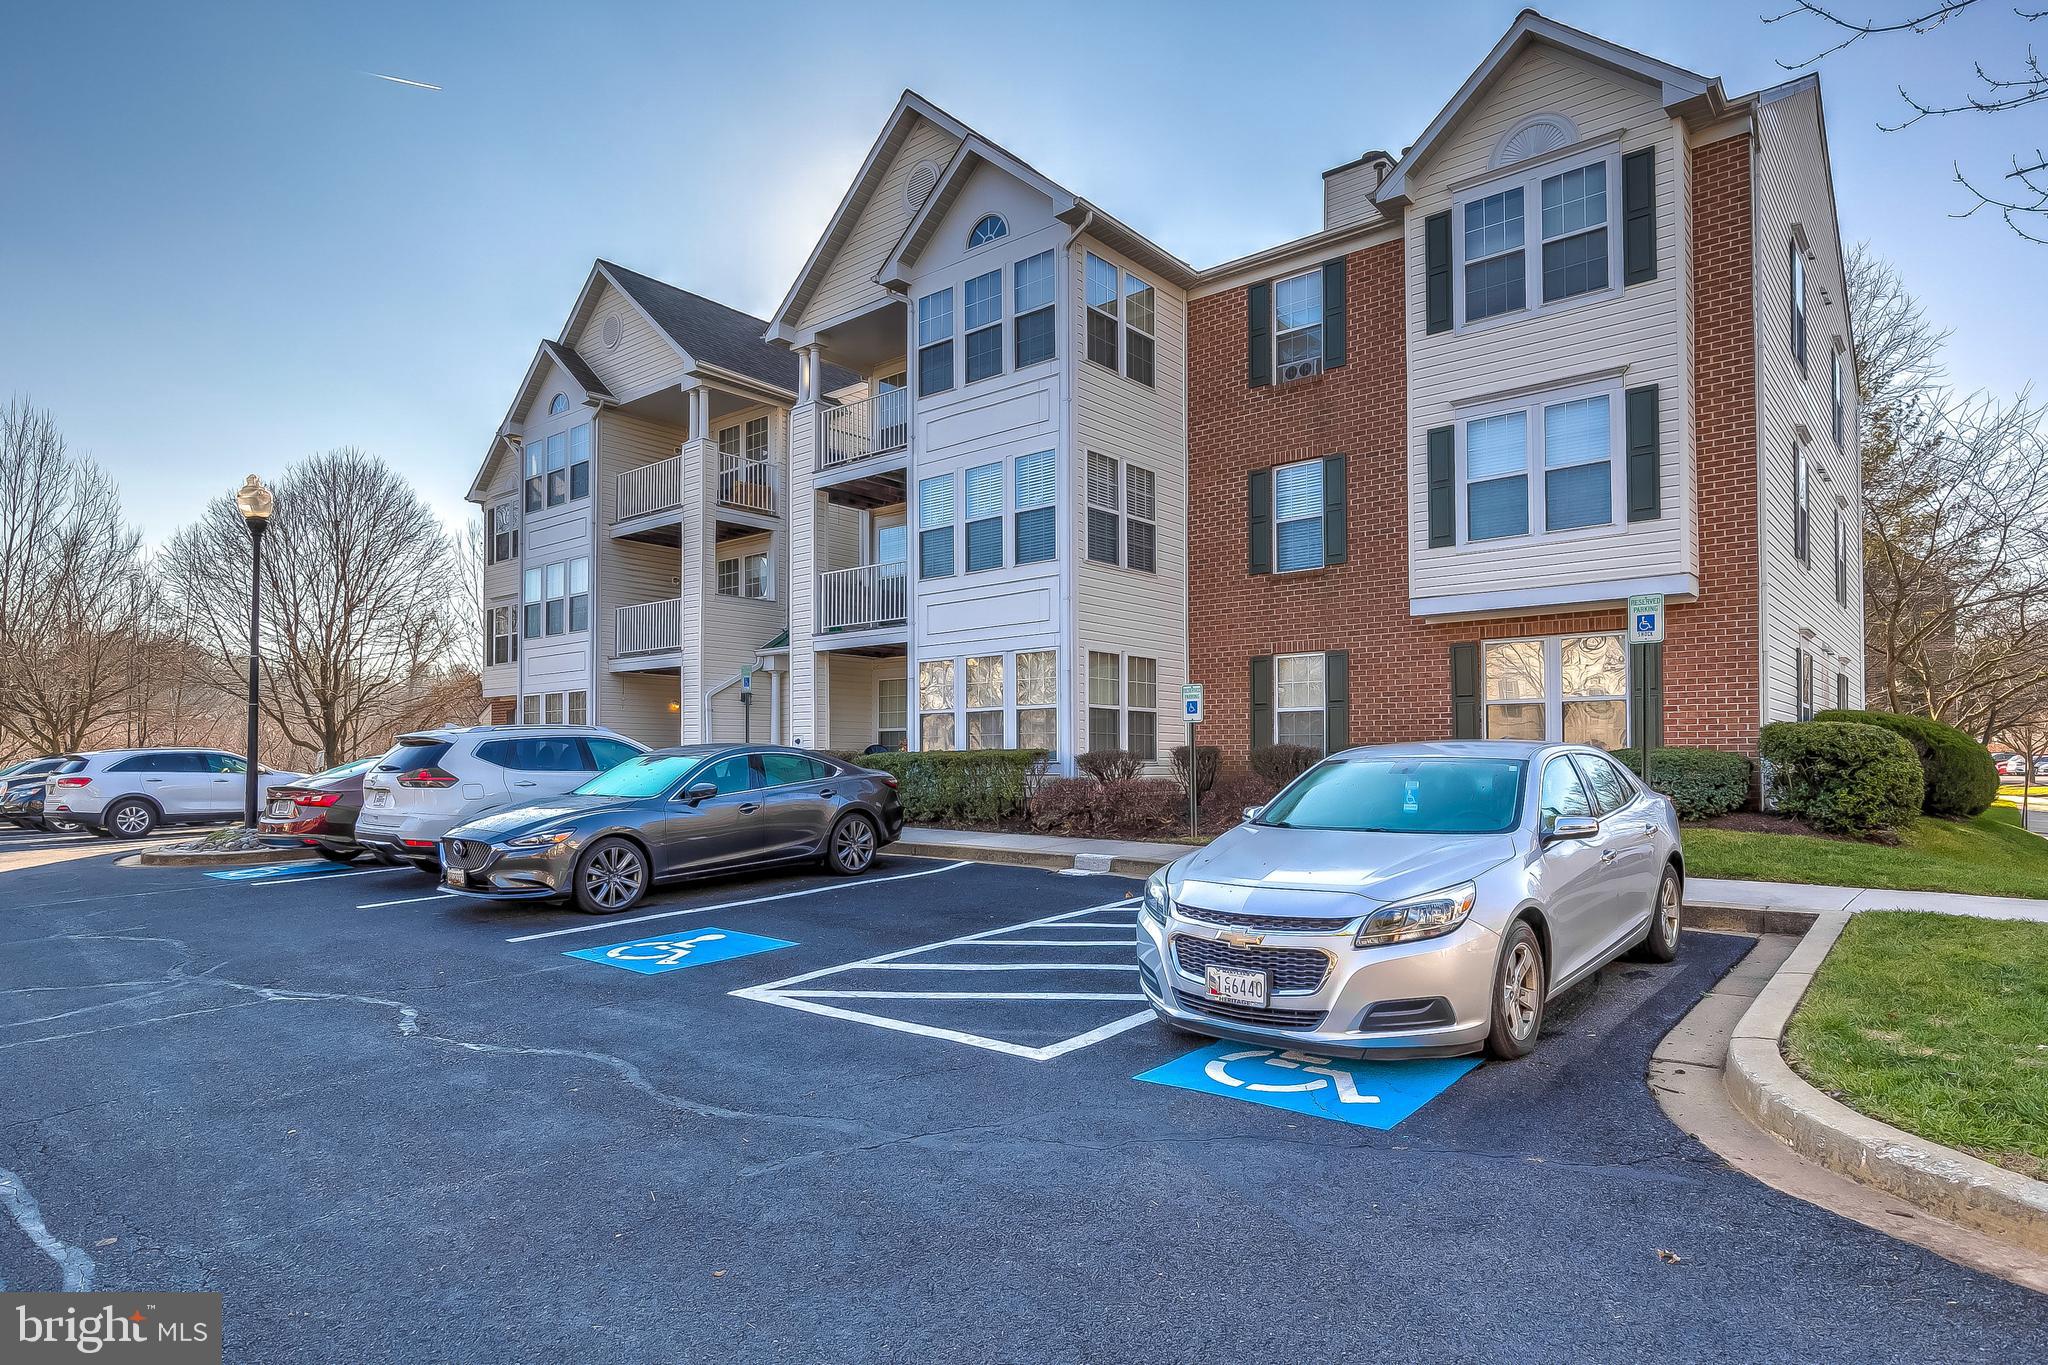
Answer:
(847, 885)
(792, 992)
(416, 900)
(319, 877)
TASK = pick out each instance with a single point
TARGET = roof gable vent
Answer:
(1534, 136)
(612, 332)
(919, 187)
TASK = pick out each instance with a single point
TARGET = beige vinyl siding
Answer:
(849, 279)
(1347, 195)
(1121, 610)
(1641, 328)
(855, 699)
(639, 708)
(735, 628)
(1792, 187)
(500, 580)
(629, 572)
(643, 356)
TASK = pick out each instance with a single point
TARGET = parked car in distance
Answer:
(1420, 900)
(433, 780)
(130, 792)
(21, 794)
(2012, 765)
(676, 813)
(319, 811)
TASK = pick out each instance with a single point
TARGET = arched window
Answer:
(558, 404)
(987, 230)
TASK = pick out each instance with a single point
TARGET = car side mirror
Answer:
(1571, 827)
(1252, 813)
(699, 791)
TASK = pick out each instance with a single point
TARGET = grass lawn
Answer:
(1939, 1025)
(1989, 855)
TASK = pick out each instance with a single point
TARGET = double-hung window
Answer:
(935, 690)
(1105, 700)
(935, 342)
(728, 578)
(1037, 523)
(1038, 691)
(1141, 519)
(1298, 325)
(579, 461)
(558, 469)
(985, 517)
(1298, 516)
(744, 576)
(892, 713)
(1795, 285)
(1496, 264)
(1836, 370)
(1802, 495)
(1572, 688)
(1141, 706)
(579, 594)
(1511, 264)
(558, 598)
(1139, 344)
(935, 526)
(1575, 232)
(536, 452)
(1103, 521)
(1570, 440)
(503, 539)
(530, 603)
(985, 701)
(1578, 464)
(984, 319)
(1299, 696)
(1032, 280)
(1841, 558)
(501, 635)
(1102, 293)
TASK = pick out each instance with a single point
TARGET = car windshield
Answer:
(649, 775)
(361, 765)
(1403, 796)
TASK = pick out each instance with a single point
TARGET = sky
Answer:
(225, 246)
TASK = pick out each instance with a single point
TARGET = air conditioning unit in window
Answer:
(1301, 369)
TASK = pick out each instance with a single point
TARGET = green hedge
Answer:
(1841, 777)
(979, 784)
(1702, 783)
(1961, 779)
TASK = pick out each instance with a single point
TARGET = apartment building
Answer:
(635, 506)
(987, 516)
(1586, 338)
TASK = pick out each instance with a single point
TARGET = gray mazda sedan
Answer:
(671, 814)
(1415, 900)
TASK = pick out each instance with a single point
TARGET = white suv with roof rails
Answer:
(433, 780)
(130, 792)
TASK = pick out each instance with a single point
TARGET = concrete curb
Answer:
(1944, 1182)
(246, 858)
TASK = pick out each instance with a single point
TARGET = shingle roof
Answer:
(715, 334)
(578, 369)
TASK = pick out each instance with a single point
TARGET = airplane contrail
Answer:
(400, 80)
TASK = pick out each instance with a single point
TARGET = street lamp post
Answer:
(255, 503)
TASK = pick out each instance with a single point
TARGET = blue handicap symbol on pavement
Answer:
(276, 871)
(1370, 1094)
(684, 948)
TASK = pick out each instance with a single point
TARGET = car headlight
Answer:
(1156, 903)
(1430, 916)
(553, 839)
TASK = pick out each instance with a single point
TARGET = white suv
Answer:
(436, 779)
(130, 792)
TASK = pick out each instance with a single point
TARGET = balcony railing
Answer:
(656, 487)
(649, 628)
(750, 485)
(863, 597)
(862, 430)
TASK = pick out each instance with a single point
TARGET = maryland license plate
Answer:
(1237, 987)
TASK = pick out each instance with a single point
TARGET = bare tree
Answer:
(2018, 195)
(363, 600)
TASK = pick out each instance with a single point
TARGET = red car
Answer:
(319, 811)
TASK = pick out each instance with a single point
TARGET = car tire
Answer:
(611, 877)
(850, 847)
(130, 819)
(62, 826)
(1520, 978)
(1667, 918)
(339, 855)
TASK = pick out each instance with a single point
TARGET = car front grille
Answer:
(465, 855)
(1248, 1014)
(1293, 969)
(1265, 924)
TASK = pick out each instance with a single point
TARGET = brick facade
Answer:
(504, 710)
(1400, 665)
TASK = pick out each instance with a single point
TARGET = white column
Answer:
(695, 571)
(809, 676)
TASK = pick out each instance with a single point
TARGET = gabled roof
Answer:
(706, 331)
(578, 368)
(1683, 92)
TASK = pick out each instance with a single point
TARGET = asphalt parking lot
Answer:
(901, 1117)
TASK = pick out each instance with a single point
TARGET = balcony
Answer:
(651, 488)
(862, 430)
(865, 597)
(648, 628)
(749, 485)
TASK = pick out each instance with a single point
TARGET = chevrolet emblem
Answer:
(1237, 940)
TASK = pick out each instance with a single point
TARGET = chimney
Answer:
(1348, 189)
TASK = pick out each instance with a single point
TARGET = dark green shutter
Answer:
(1259, 329)
(1260, 520)
(1436, 272)
(1262, 701)
(1465, 691)
(1639, 216)
(1336, 701)
(1645, 469)
(1335, 532)
(1646, 667)
(1443, 491)
(1333, 313)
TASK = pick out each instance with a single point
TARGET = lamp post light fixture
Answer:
(255, 503)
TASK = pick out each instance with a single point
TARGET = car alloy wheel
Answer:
(132, 819)
(614, 877)
(1521, 991)
(1668, 908)
(853, 844)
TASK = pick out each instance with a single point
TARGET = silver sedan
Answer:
(1415, 900)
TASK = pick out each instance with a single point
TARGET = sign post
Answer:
(747, 703)
(1645, 627)
(1191, 707)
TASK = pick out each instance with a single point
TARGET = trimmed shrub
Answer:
(1208, 759)
(977, 784)
(1702, 783)
(1841, 777)
(1110, 765)
(1961, 780)
(1224, 806)
(1280, 764)
(1143, 807)
(1066, 804)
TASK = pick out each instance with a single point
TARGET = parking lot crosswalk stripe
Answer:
(1055, 943)
(849, 884)
(965, 995)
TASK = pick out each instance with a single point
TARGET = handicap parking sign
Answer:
(685, 948)
(1369, 1094)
